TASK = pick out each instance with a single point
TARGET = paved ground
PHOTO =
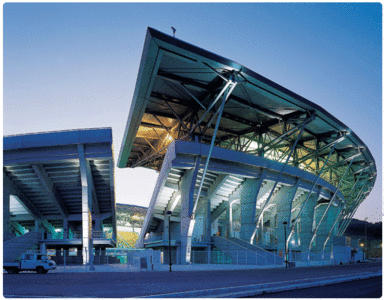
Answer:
(135, 284)
(366, 288)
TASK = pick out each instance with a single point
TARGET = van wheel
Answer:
(40, 270)
(12, 271)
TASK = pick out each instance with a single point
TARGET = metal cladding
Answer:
(185, 93)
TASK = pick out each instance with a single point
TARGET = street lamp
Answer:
(285, 244)
(169, 213)
(366, 241)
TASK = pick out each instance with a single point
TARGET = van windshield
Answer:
(42, 257)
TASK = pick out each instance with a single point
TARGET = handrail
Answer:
(74, 235)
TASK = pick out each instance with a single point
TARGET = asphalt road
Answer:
(366, 288)
(122, 285)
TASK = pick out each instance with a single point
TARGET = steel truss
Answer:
(212, 117)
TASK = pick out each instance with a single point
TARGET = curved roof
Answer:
(176, 84)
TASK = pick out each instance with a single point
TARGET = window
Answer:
(42, 257)
(51, 252)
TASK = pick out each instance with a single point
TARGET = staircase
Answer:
(17, 228)
(48, 226)
(244, 253)
(12, 249)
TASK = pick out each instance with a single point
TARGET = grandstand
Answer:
(239, 157)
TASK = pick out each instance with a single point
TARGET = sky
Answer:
(71, 66)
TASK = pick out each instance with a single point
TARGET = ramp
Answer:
(13, 248)
(243, 253)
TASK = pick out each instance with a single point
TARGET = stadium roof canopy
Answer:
(45, 171)
(174, 99)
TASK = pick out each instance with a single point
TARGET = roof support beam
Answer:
(25, 202)
(49, 187)
(322, 149)
(258, 108)
(225, 92)
(86, 207)
(342, 162)
(287, 134)
(292, 227)
(329, 205)
(277, 181)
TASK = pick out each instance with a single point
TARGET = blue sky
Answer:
(69, 66)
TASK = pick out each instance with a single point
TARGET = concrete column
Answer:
(7, 232)
(98, 224)
(65, 228)
(230, 210)
(307, 216)
(166, 227)
(207, 220)
(283, 199)
(268, 236)
(227, 225)
(200, 215)
(86, 204)
(322, 230)
(331, 217)
(86, 225)
(37, 225)
(215, 226)
(43, 247)
(59, 259)
(97, 260)
(335, 222)
(325, 227)
(187, 224)
(248, 197)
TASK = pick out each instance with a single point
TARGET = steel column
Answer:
(338, 215)
(279, 176)
(86, 208)
(329, 204)
(313, 187)
(357, 201)
(350, 194)
(226, 95)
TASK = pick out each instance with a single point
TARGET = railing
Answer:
(242, 257)
(160, 237)
(303, 257)
(154, 238)
(236, 257)
(73, 235)
(103, 235)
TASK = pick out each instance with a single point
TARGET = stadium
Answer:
(249, 173)
(243, 162)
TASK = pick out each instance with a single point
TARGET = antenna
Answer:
(174, 31)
